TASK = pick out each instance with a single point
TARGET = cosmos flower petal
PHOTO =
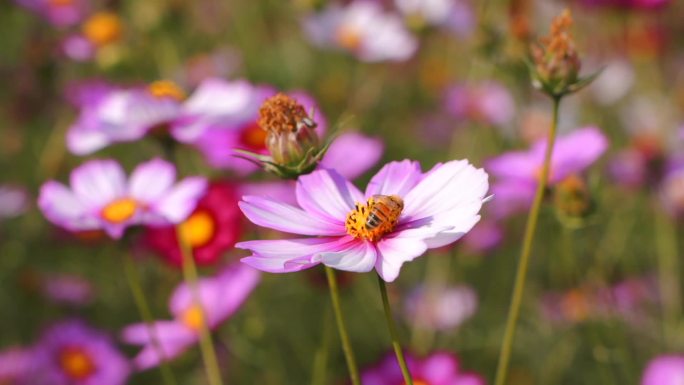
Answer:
(235, 283)
(98, 182)
(139, 333)
(278, 216)
(515, 165)
(444, 188)
(352, 154)
(81, 140)
(359, 256)
(276, 256)
(326, 194)
(182, 299)
(395, 178)
(577, 151)
(61, 206)
(440, 368)
(393, 252)
(150, 180)
(179, 202)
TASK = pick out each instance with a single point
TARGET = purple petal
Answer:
(62, 207)
(445, 188)
(82, 139)
(576, 151)
(515, 165)
(98, 182)
(511, 197)
(236, 282)
(393, 252)
(357, 256)
(290, 219)
(288, 255)
(396, 178)
(440, 369)
(352, 154)
(181, 200)
(150, 180)
(326, 194)
(468, 379)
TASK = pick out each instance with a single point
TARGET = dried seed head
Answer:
(282, 113)
(555, 58)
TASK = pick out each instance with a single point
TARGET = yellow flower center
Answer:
(76, 363)
(198, 229)
(374, 219)
(193, 318)
(120, 210)
(102, 28)
(420, 382)
(349, 38)
(166, 89)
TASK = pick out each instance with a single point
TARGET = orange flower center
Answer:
(60, 3)
(162, 89)
(198, 229)
(253, 137)
(374, 219)
(193, 318)
(575, 305)
(349, 38)
(102, 28)
(76, 363)
(120, 210)
(420, 382)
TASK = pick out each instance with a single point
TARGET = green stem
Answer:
(341, 328)
(144, 309)
(318, 375)
(393, 333)
(668, 273)
(521, 273)
(206, 344)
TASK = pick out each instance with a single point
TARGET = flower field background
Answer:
(174, 182)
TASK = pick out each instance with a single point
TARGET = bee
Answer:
(383, 212)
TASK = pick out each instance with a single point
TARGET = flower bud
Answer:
(291, 139)
(555, 62)
(572, 200)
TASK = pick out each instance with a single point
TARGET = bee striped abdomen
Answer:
(377, 217)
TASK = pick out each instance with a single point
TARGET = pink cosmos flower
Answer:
(440, 368)
(72, 353)
(14, 364)
(124, 115)
(664, 370)
(486, 103)
(362, 28)
(455, 15)
(60, 13)
(221, 297)
(102, 198)
(484, 238)
(440, 308)
(67, 289)
(518, 171)
(403, 213)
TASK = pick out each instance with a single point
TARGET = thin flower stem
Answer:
(144, 309)
(320, 364)
(668, 276)
(341, 328)
(206, 344)
(393, 333)
(521, 273)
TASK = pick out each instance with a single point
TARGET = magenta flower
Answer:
(60, 13)
(437, 308)
(124, 115)
(67, 289)
(440, 368)
(664, 370)
(403, 213)
(362, 28)
(71, 353)
(221, 297)
(672, 188)
(484, 238)
(487, 103)
(102, 198)
(518, 171)
(14, 364)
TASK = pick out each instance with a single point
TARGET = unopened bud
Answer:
(572, 199)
